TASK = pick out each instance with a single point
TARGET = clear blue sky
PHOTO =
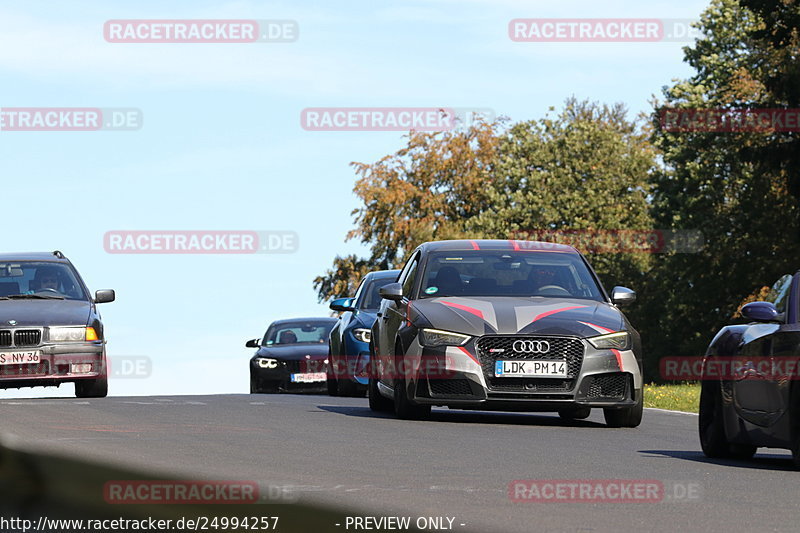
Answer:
(222, 148)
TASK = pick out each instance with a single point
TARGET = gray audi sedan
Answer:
(504, 325)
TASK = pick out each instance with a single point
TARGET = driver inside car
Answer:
(44, 279)
(287, 337)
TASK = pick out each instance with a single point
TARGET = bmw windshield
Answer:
(297, 333)
(516, 274)
(39, 279)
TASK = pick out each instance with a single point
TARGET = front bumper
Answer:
(597, 378)
(58, 363)
(281, 376)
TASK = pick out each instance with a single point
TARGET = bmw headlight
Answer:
(436, 337)
(362, 334)
(265, 362)
(72, 334)
(620, 340)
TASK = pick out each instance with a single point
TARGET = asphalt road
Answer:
(458, 465)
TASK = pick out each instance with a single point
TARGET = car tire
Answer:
(332, 382)
(403, 408)
(377, 402)
(575, 413)
(92, 388)
(627, 417)
(794, 416)
(333, 386)
(254, 385)
(711, 429)
(347, 388)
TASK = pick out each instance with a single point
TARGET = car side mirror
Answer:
(391, 291)
(342, 304)
(104, 296)
(252, 343)
(622, 295)
(760, 312)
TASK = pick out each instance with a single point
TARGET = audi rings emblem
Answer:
(531, 346)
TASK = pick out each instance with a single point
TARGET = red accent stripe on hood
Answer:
(475, 245)
(515, 245)
(554, 311)
(599, 328)
(476, 312)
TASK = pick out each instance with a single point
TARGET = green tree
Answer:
(583, 173)
(723, 184)
(426, 191)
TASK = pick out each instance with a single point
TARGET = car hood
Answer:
(44, 313)
(508, 315)
(365, 319)
(293, 352)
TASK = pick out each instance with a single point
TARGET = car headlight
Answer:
(436, 337)
(72, 334)
(265, 362)
(612, 341)
(362, 334)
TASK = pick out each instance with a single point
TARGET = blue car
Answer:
(348, 371)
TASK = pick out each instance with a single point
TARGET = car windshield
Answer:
(521, 274)
(298, 333)
(370, 298)
(39, 280)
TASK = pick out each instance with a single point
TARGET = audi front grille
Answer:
(493, 347)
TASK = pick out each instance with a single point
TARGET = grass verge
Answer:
(682, 397)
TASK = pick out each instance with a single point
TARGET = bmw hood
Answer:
(29, 313)
(509, 315)
(293, 352)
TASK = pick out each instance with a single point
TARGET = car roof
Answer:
(497, 245)
(34, 256)
(304, 319)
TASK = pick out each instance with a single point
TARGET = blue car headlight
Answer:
(620, 340)
(362, 334)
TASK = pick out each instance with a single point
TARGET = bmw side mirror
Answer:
(760, 312)
(622, 295)
(342, 304)
(391, 291)
(104, 296)
(252, 343)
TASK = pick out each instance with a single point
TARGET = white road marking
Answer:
(670, 412)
